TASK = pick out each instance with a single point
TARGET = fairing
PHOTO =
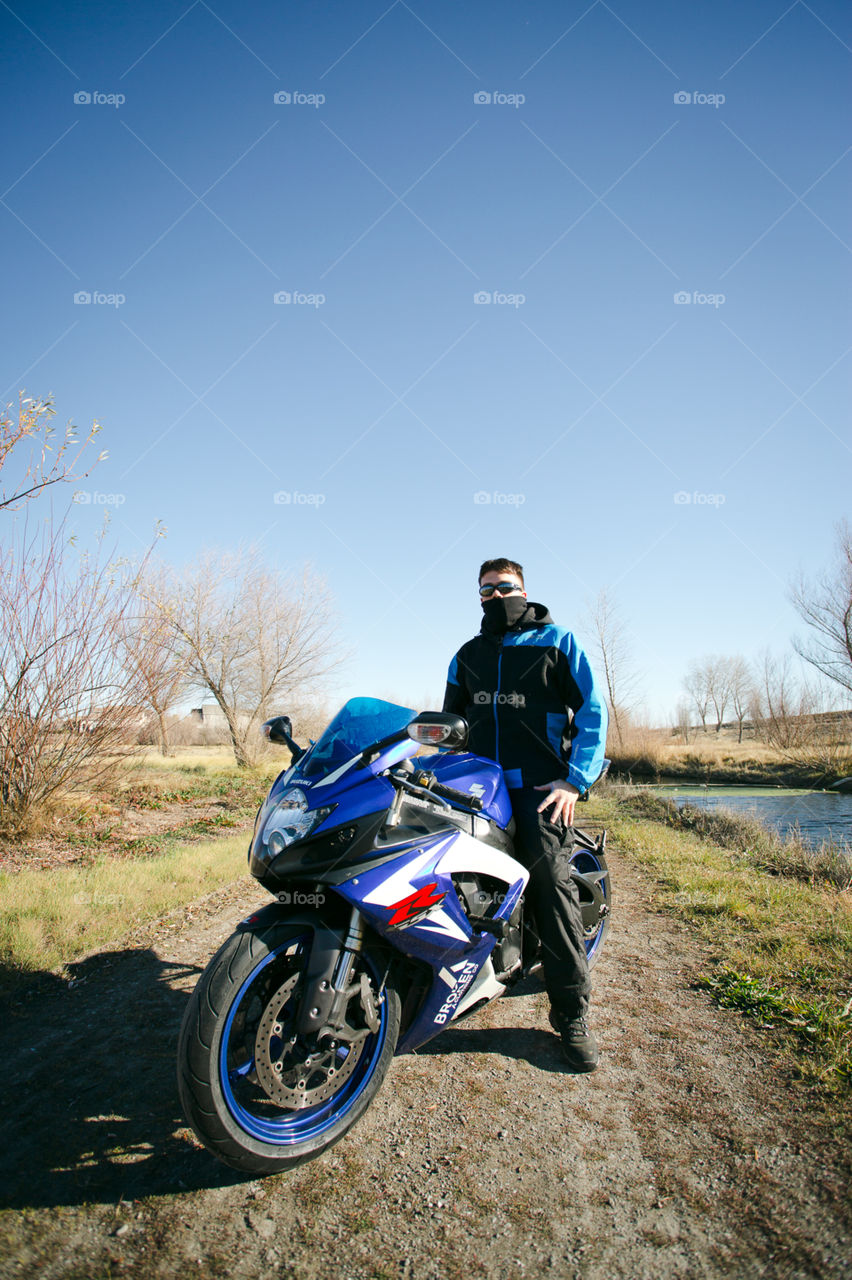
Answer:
(438, 931)
(405, 893)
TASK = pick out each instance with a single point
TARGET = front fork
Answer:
(328, 992)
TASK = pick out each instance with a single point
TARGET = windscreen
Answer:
(359, 723)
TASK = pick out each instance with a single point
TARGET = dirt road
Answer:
(689, 1153)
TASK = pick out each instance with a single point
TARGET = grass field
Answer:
(175, 829)
(202, 760)
(49, 918)
(720, 757)
(781, 945)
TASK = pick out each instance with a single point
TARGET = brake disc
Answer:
(291, 1073)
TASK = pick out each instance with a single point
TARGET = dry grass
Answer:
(719, 757)
(195, 759)
(215, 759)
(143, 772)
(782, 947)
(48, 918)
(126, 859)
(756, 843)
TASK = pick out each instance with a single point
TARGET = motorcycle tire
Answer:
(590, 872)
(256, 1102)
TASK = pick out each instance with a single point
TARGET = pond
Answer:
(819, 815)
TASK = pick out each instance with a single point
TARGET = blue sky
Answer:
(419, 156)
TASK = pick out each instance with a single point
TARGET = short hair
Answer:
(502, 566)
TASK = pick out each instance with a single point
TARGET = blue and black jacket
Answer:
(532, 703)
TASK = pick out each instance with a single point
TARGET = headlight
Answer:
(291, 820)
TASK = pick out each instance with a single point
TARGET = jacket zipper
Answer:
(496, 721)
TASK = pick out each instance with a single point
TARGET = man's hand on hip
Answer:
(563, 797)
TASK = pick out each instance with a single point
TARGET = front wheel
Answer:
(258, 1095)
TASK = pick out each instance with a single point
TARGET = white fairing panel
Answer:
(398, 884)
(443, 925)
(484, 987)
(457, 852)
(467, 854)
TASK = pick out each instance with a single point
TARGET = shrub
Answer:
(789, 855)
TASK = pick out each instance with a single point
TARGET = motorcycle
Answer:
(399, 909)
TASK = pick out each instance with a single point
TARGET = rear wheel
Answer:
(591, 875)
(260, 1096)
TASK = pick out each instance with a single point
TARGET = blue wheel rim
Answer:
(588, 864)
(289, 1128)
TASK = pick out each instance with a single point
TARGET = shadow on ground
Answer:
(90, 1076)
(525, 1043)
(92, 1111)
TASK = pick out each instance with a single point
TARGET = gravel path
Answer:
(689, 1153)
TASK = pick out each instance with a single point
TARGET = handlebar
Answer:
(428, 781)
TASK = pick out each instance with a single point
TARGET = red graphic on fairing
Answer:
(415, 904)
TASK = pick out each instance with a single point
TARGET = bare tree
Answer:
(719, 686)
(250, 637)
(782, 707)
(741, 690)
(697, 688)
(149, 651)
(620, 675)
(794, 717)
(52, 458)
(681, 726)
(721, 682)
(65, 699)
(826, 607)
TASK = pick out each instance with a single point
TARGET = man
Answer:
(527, 691)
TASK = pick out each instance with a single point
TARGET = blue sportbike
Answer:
(399, 909)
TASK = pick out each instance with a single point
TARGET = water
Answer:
(819, 815)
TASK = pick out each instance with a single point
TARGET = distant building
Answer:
(211, 717)
(130, 719)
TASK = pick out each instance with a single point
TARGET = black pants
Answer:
(544, 848)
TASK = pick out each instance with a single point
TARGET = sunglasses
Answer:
(502, 589)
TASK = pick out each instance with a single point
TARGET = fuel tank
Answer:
(476, 776)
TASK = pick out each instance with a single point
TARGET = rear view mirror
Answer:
(278, 730)
(439, 729)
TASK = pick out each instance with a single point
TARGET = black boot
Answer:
(579, 1046)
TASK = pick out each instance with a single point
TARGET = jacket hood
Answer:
(513, 613)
